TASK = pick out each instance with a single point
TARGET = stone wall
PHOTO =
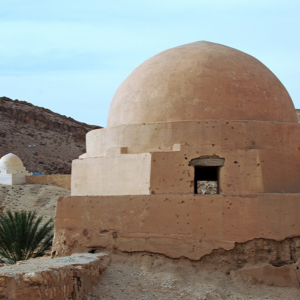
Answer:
(57, 279)
(61, 180)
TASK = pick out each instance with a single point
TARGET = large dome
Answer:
(201, 81)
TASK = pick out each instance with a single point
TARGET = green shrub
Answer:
(23, 236)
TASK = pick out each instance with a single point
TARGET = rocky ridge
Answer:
(58, 139)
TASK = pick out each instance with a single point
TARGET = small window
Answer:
(206, 178)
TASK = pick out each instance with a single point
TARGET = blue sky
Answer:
(71, 56)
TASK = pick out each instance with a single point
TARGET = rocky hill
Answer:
(58, 139)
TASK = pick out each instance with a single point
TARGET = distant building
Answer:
(12, 170)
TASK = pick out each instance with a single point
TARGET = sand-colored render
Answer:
(260, 157)
(200, 112)
(174, 225)
(61, 180)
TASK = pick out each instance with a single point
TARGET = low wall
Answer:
(61, 180)
(176, 225)
(68, 277)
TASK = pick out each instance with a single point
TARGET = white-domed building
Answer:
(12, 170)
(188, 117)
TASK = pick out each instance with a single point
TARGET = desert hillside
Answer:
(58, 139)
(41, 198)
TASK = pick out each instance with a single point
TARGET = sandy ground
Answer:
(41, 198)
(151, 276)
(146, 276)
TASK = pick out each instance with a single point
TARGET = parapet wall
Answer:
(176, 225)
(60, 180)
(56, 279)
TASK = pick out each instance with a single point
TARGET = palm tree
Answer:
(22, 236)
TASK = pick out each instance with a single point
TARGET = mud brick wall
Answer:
(61, 180)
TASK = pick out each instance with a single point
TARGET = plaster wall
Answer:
(175, 225)
(61, 180)
(258, 167)
(280, 171)
(6, 179)
(259, 157)
(18, 179)
(225, 133)
(244, 171)
(119, 174)
(241, 173)
(16, 170)
(11, 179)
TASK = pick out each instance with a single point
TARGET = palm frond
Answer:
(23, 236)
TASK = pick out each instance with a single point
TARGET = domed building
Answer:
(201, 152)
(197, 105)
(12, 170)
